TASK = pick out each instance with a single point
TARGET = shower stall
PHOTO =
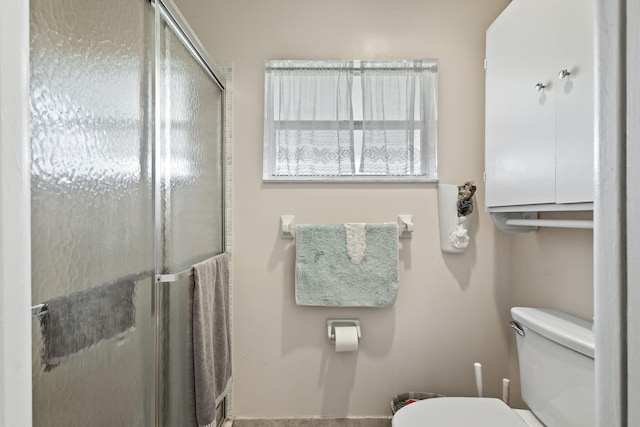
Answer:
(127, 183)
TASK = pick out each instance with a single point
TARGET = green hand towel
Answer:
(327, 276)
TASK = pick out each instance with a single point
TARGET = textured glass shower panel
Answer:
(190, 146)
(92, 216)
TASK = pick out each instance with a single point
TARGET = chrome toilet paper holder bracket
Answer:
(332, 323)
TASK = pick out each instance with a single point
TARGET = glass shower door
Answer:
(190, 207)
(127, 183)
(92, 212)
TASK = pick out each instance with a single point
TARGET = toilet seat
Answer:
(457, 412)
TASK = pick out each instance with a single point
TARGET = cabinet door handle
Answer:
(563, 74)
(539, 87)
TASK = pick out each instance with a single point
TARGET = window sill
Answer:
(349, 179)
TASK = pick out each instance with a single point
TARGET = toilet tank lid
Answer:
(565, 329)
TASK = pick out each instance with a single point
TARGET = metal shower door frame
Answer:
(168, 12)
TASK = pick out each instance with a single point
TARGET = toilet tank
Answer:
(556, 356)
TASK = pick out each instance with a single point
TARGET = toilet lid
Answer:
(457, 412)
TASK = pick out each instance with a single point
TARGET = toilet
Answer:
(555, 352)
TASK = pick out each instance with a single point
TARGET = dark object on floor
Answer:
(404, 399)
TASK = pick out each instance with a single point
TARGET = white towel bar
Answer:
(524, 222)
(558, 223)
(288, 227)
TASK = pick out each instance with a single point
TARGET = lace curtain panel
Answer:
(350, 120)
(396, 112)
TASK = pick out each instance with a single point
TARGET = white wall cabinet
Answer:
(539, 141)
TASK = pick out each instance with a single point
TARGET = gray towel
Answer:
(210, 343)
(331, 273)
(81, 319)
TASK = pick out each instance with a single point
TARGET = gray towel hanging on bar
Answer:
(81, 319)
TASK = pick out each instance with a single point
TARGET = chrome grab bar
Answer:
(168, 278)
(42, 309)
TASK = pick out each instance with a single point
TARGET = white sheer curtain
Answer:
(309, 118)
(399, 118)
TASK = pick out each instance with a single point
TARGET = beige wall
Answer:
(451, 310)
(553, 268)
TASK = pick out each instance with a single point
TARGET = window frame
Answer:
(431, 147)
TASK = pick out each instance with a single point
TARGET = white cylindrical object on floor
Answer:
(505, 390)
(346, 338)
(477, 367)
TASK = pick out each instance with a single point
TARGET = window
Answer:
(350, 120)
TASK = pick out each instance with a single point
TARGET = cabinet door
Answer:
(520, 121)
(574, 103)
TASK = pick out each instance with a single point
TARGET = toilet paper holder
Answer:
(332, 323)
